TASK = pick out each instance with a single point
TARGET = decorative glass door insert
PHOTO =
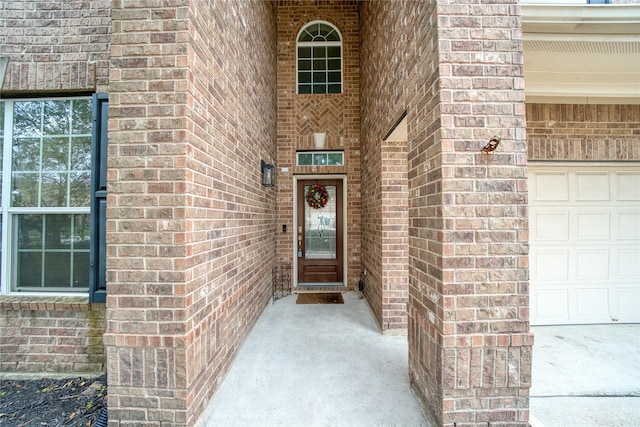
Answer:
(320, 227)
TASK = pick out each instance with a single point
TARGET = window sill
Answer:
(51, 303)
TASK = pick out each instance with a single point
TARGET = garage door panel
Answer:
(626, 304)
(589, 305)
(585, 243)
(550, 264)
(592, 187)
(628, 186)
(629, 225)
(550, 225)
(593, 225)
(627, 265)
(592, 265)
(551, 187)
(551, 305)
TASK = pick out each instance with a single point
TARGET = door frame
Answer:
(345, 229)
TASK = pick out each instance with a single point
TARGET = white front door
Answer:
(585, 243)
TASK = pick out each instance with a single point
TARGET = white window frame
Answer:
(8, 260)
(315, 153)
(326, 44)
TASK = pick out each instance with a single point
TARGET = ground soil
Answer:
(52, 402)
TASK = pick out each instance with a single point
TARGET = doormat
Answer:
(320, 298)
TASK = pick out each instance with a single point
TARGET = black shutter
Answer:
(97, 274)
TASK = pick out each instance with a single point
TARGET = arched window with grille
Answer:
(319, 52)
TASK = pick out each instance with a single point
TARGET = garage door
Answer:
(585, 243)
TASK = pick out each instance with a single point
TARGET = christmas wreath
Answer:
(317, 196)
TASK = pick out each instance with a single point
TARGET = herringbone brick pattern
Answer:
(299, 116)
(320, 114)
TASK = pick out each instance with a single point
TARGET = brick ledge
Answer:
(18, 302)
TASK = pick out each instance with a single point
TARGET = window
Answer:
(320, 158)
(46, 201)
(319, 52)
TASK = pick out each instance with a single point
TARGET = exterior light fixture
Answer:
(491, 145)
(268, 174)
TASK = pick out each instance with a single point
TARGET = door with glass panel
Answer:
(320, 232)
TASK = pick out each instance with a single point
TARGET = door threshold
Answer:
(319, 284)
(320, 287)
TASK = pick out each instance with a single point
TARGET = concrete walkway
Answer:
(586, 376)
(317, 365)
(329, 365)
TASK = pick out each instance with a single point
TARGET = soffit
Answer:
(582, 53)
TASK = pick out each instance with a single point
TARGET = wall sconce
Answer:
(268, 174)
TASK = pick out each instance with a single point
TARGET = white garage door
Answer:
(585, 243)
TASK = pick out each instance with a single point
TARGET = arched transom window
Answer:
(319, 59)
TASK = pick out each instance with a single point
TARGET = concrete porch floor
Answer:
(317, 365)
(329, 365)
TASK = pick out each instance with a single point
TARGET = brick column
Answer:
(394, 227)
(146, 339)
(470, 346)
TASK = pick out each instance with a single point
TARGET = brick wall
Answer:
(51, 334)
(232, 236)
(386, 84)
(56, 45)
(301, 115)
(394, 226)
(191, 231)
(583, 132)
(459, 77)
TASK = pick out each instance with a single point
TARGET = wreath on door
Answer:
(317, 196)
